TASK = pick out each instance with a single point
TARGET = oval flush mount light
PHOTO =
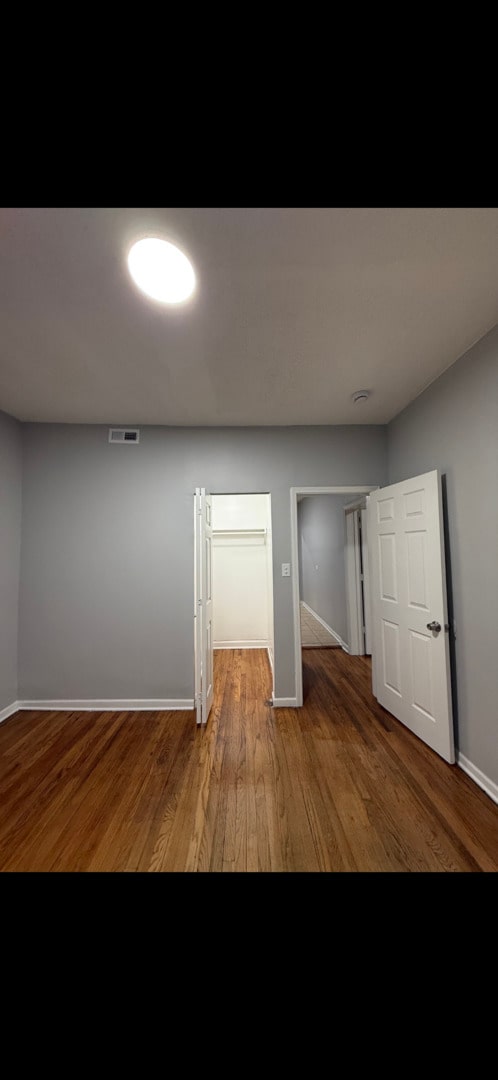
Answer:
(361, 395)
(161, 270)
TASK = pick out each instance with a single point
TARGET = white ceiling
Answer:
(295, 309)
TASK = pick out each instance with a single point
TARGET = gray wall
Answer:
(453, 426)
(322, 536)
(10, 543)
(107, 559)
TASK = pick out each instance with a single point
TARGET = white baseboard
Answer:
(9, 710)
(270, 656)
(284, 703)
(263, 644)
(109, 705)
(337, 637)
(479, 777)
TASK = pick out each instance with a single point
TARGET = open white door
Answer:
(203, 605)
(410, 638)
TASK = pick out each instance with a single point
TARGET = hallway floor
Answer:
(313, 634)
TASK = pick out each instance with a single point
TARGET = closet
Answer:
(242, 572)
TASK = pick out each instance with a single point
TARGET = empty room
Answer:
(248, 530)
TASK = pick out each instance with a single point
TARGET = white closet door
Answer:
(203, 604)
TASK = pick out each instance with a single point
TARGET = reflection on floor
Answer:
(313, 634)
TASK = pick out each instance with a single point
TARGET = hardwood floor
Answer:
(338, 785)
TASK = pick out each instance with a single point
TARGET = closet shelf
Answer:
(239, 532)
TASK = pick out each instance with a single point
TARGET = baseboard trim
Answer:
(284, 703)
(270, 656)
(9, 710)
(241, 644)
(109, 705)
(337, 637)
(479, 777)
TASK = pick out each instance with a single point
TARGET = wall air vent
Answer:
(124, 435)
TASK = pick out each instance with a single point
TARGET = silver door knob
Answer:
(436, 626)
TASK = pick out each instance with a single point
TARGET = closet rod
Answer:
(246, 532)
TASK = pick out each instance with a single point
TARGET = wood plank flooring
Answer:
(338, 785)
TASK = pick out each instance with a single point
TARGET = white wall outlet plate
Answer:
(286, 569)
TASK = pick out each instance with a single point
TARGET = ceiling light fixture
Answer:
(161, 270)
(361, 395)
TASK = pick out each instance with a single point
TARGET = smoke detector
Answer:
(361, 395)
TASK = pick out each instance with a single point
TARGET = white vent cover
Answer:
(124, 435)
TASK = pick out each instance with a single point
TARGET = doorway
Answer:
(242, 572)
(346, 495)
(334, 595)
(233, 601)
(322, 571)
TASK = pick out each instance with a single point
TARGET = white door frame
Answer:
(271, 618)
(354, 592)
(358, 578)
(365, 563)
(294, 492)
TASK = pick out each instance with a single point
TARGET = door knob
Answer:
(436, 626)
